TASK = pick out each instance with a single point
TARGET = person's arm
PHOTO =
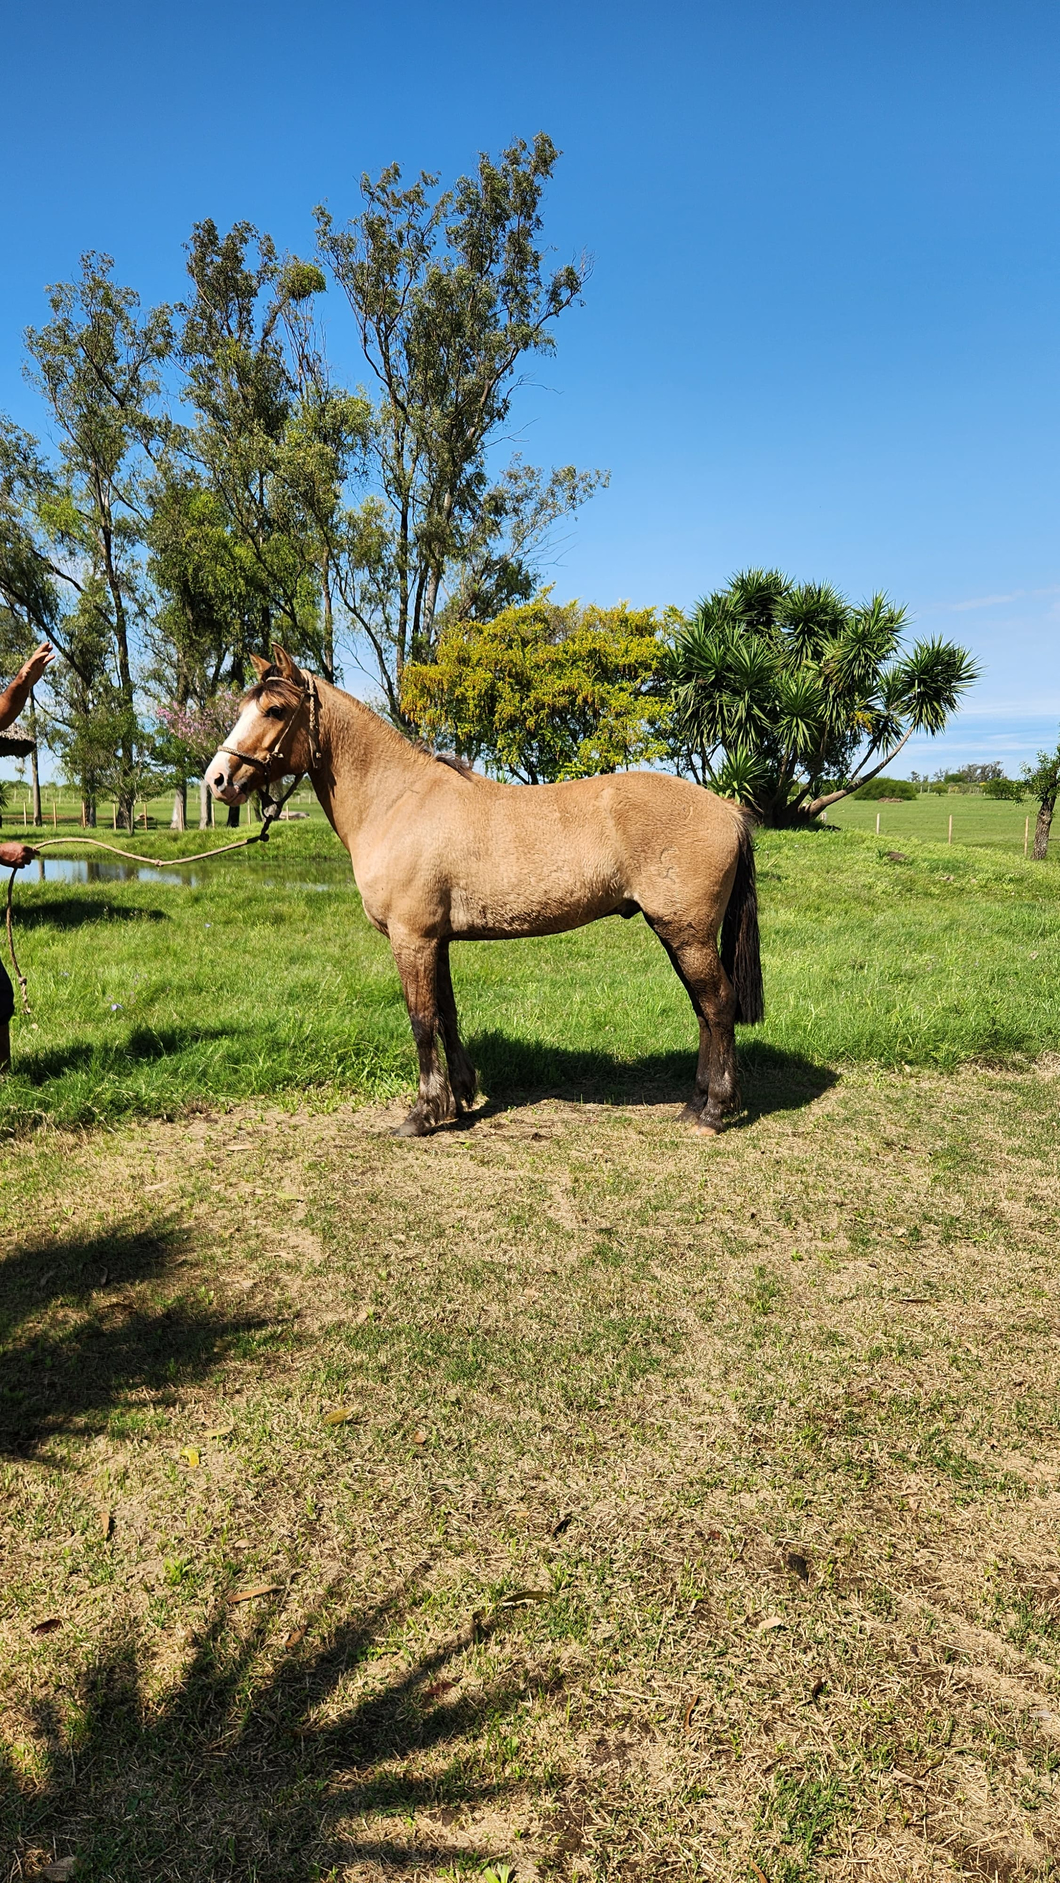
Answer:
(14, 697)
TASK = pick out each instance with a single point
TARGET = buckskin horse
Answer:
(442, 854)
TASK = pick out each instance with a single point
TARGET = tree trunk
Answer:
(179, 819)
(205, 805)
(33, 762)
(1041, 828)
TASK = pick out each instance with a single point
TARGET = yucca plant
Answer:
(788, 697)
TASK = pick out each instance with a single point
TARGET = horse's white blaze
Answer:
(220, 772)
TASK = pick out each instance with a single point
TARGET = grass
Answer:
(621, 1507)
(976, 820)
(149, 998)
(688, 1512)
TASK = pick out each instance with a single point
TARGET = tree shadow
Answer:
(78, 912)
(518, 1072)
(143, 1043)
(59, 1374)
(248, 1761)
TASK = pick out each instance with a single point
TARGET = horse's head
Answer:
(271, 738)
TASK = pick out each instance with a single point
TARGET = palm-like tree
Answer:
(788, 697)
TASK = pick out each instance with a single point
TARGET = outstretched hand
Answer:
(32, 669)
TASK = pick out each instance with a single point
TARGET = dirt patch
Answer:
(521, 1434)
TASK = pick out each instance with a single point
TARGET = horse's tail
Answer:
(741, 955)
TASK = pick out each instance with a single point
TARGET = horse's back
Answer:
(538, 858)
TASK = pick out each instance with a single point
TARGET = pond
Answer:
(335, 875)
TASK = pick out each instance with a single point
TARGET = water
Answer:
(49, 869)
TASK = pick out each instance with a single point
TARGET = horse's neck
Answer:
(366, 764)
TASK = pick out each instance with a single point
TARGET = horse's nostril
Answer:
(219, 778)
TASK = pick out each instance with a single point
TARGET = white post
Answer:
(1026, 833)
(877, 823)
(949, 839)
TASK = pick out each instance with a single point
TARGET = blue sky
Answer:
(821, 326)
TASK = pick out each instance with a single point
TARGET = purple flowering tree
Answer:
(190, 735)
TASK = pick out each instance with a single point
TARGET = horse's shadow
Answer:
(516, 1072)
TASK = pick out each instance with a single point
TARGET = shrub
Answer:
(887, 788)
(1004, 788)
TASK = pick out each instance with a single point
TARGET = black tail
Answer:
(740, 952)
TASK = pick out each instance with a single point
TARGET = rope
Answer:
(19, 976)
(272, 810)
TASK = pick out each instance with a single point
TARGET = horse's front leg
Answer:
(417, 964)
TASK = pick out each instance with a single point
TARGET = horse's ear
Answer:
(287, 666)
(261, 667)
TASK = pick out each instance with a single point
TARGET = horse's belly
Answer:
(473, 918)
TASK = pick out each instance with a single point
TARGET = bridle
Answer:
(270, 806)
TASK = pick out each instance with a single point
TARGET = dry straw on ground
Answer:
(693, 1510)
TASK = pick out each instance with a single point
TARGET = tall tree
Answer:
(97, 364)
(789, 698)
(255, 498)
(450, 295)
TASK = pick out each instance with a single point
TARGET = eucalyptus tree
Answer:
(451, 295)
(258, 479)
(97, 364)
(46, 597)
(788, 697)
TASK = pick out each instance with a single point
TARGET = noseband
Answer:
(270, 806)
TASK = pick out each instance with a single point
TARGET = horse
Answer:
(442, 854)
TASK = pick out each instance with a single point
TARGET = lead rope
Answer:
(270, 811)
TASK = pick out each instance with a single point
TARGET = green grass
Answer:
(148, 998)
(976, 820)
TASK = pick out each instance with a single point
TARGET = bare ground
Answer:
(686, 1510)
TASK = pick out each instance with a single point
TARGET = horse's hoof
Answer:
(707, 1131)
(410, 1127)
(689, 1114)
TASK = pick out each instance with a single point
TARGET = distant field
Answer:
(975, 820)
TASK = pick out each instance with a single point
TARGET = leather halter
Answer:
(307, 691)
(271, 807)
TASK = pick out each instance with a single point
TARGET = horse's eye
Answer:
(274, 712)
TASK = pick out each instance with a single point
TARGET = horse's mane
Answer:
(276, 682)
(452, 759)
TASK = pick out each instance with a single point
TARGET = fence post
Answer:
(1026, 833)
(877, 823)
(949, 839)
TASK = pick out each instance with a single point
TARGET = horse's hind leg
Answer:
(710, 991)
(417, 963)
(461, 1071)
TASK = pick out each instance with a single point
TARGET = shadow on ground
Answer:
(77, 912)
(246, 1766)
(60, 1372)
(143, 1043)
(515, 1072)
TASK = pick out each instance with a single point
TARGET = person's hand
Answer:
(15, 856)
(32, 669)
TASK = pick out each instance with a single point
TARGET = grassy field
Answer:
(560, 1492)
(976, 820)
(266, 979)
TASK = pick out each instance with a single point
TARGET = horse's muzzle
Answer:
(222, 775)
